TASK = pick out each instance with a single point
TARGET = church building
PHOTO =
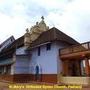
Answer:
(40, 55)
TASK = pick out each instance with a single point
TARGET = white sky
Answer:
(70, 16)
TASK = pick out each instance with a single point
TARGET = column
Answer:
(82, 68)
(65, 68)
(87, 70)
(78, 67)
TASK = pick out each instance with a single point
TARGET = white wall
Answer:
(60, 45)
(48, 60)
(21, 51)
(22, 61)
(22, 65)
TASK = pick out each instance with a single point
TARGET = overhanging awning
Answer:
(6, 62)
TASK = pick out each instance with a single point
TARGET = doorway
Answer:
(74, 68)
(71, 68)
(37, 73)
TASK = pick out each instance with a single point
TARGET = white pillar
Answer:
(82, 68)
(12, 69)
(13, 65)
(87, 69)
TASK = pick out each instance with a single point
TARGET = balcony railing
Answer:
(75, 48)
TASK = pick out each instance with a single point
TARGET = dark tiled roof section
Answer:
(20, 41)
(47, 36)
(17, 43)
(64, 37)
(52, 35)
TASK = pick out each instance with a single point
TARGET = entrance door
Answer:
(71, 68)
(37, 73)
(74, 68)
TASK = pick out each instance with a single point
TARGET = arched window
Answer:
(37, 69)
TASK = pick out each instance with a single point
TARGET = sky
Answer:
(70, 16)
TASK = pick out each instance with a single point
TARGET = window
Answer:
(38, 51)
(48, 46)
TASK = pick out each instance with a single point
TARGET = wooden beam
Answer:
(75, 55)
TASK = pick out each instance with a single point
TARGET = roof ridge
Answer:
(64, 34)
(54, 31)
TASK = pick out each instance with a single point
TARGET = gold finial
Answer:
(42, 17)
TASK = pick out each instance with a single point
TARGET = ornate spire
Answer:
(35, 32)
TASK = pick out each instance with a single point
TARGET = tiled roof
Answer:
(47, 36)
(52, 35)
(11, 48)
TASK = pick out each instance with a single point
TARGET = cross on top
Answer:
(42, 17)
